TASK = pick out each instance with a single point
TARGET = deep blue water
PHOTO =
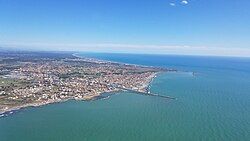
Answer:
(177, 61)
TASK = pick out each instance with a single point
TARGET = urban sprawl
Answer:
(34, 79)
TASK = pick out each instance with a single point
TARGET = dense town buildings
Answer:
(31, 81)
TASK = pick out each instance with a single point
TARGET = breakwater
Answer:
(147, 93)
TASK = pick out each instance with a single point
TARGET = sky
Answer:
(190, 27)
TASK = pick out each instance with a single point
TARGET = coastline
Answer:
(143, 88)
(151, 80)
(136, 65)
(95, 59)
(11, 110)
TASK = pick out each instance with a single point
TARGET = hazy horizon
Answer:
(116, 52)
(182, 27)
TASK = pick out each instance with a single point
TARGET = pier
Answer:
(146, 93)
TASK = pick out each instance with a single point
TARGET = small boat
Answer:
(106, 98)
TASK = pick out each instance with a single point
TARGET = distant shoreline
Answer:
(75, 54)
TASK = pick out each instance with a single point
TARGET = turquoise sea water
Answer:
(213, 105)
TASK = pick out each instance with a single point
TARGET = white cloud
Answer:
(184, 2)
(130, 48)
(172, 4)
